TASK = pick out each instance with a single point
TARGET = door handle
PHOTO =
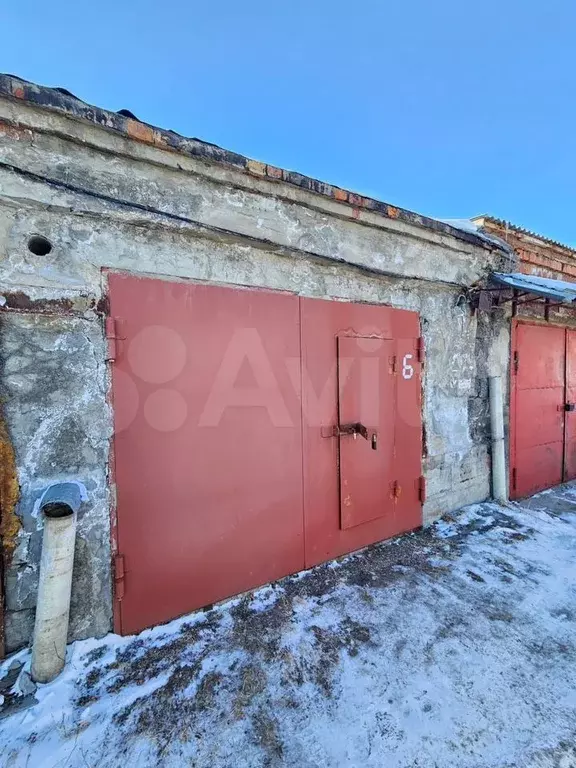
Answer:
(570, 406)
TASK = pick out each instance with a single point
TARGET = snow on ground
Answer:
(454, 646)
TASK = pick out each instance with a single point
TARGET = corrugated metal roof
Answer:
(522, 231)
(541, 286)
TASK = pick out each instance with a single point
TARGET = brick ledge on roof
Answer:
(521, 231)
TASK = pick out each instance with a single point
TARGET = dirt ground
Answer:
(452, 646)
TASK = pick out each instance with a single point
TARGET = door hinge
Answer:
(516, 360)
(119, 573)
(420, 349)
(112, 336)
(422, 488)
(514, 474)
(395, 489)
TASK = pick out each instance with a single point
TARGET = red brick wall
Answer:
(537, 257)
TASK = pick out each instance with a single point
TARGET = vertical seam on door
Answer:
(117, 618)
(513, 386)
(303, 434)
(338, 441)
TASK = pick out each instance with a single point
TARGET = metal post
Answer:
(499, 485)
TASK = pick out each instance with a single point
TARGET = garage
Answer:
(226, 356)
(543, 406)
(256, 433)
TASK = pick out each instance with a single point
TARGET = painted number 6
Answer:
(407, 369)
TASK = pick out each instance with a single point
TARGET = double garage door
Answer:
(543, 407)
(257, 433)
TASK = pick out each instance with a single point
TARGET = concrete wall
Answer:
(54, 390)
(223, 226)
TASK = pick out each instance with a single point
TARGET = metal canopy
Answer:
(540, 286)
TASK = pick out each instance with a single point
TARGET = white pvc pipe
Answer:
(499, 484)
(54, 589)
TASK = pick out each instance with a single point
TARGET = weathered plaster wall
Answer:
(54, 389)
(242, 231)
(80, 155)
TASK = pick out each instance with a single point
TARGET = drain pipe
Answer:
(499, 485)
(58, 505)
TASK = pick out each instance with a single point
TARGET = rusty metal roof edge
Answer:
(540, 286)
(523, 231)
(63, 101)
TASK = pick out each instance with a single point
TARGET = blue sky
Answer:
(449, 108)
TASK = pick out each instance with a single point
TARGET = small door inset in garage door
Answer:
(366, 427)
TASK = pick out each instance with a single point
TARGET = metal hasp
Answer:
(353, 429)
(223, 398)
(543, 407)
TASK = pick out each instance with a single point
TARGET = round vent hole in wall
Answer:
(39, 246)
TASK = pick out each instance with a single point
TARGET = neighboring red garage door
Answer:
(570, 407)
(255, 434)
(542, 419)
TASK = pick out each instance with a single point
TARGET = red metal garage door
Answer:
(570, 408)
(232, 417)
(543, 429)
(208, 448)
